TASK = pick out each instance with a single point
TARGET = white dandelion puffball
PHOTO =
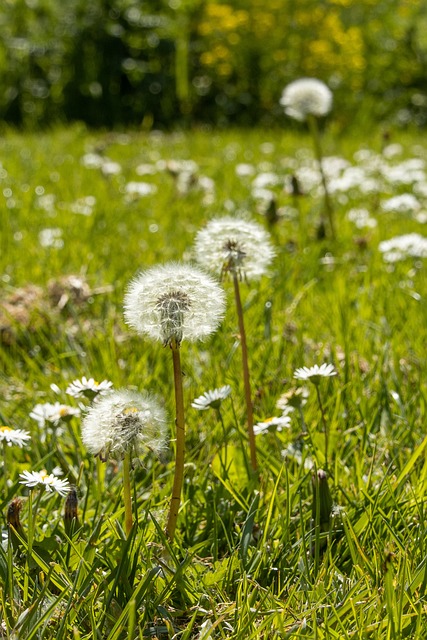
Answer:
(306, 96)
(174, 302)
(122, 421)
(234, 245)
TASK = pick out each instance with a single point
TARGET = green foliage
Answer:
(251, 558)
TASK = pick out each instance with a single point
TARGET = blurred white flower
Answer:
(14, 436)
(292, 399)
(315, 373)
(88, 387)
(50, 482)
(110, 168)
(405, 202)
(51, 237)
(235, 245)
(123, 421)
(174, 302)
(272, 424)
(361, 218)
(211, 399)
(411, 245)
(306, 96)
(53, 413)
(140, 189)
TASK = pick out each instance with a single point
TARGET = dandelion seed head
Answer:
(174, 302)
(234, 245)
(306, 96)
(124, 420)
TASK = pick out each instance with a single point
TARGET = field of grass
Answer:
(253, 557)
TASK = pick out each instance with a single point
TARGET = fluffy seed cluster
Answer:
(306, 96)
(236, 246)
(174, 302)
(124, 421)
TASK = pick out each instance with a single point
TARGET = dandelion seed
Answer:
(88, 387)
(315, 373)
(306, 96)
(307, 99)
(174, 302)
(50, 482)
(124, 422)
(234, 245)
(171, 303)
(14, 436)
(211, 399)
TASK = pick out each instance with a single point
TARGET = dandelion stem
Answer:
(180, 442)
(325, 427)
(314, 130)
(246, 375)
(5, 466)
(127, 493)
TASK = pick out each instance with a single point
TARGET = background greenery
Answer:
(152, 62)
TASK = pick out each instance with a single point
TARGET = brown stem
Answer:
(246, 376)
(180, 443)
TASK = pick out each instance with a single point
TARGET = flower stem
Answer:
(314, 130)
(246, 376)
(325, 427)
(127, 494)
(180, 443)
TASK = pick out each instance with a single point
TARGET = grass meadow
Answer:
(254, 557)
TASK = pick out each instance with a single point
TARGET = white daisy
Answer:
(234, 245)
(211, 399)
(315, 373)
(123, 420)
(51, 482)
(306, 96)
(88, 387)
(53, 413)
(272, 424)
(13, 436)
(174, 302)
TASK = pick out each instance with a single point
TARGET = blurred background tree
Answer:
(159, 63)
